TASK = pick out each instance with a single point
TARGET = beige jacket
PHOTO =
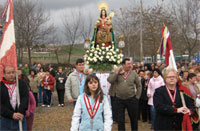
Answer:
(72, 86)
(128, 88)
(34, 83)
(41, 75)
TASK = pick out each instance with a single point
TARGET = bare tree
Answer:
(154, 18)
(87, 24)
(54, 39)
(71, 29)
(31, 25)
(187, 20)
(126, 23)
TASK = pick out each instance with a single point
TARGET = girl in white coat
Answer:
(92, 111)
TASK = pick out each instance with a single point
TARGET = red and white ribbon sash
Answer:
(12, 94)
(173, 98)
(11, 88)
(91, 112)
(79, 78)
(126, 75)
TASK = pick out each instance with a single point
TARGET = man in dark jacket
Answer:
(143, 106)
(52, 71)
(11, 113)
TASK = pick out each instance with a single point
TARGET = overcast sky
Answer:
(57, 8)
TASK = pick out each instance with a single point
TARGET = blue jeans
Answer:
(153, 116)
(40, 94)
(10, 124)
(47, 97)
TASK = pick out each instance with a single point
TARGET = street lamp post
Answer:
(141, 44)
(121, 44)
(87, 44)
(187, 59)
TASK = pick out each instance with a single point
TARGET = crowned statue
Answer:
(103, 53)
(103, 29)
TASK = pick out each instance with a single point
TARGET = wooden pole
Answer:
(182, 99)
(141, 25)
(18, 100)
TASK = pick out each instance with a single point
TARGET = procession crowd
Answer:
(149, 92)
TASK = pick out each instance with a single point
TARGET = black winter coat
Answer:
(6, 108)
(166, 118)
(144, 90)
(60, 85)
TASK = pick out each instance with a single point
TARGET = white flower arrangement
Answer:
(103, 58)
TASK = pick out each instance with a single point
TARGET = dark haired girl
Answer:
(155, 82)
(92, 110)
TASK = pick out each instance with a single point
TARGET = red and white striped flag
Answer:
(7, 46)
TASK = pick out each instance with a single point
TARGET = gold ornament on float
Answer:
(103, 5)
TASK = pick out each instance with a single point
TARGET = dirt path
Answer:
(59, 118)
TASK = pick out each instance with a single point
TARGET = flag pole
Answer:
(173, 60)
(182, 99)
(18, 100)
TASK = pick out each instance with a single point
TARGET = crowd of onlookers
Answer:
(152, 78)
(42, 81)
(150, 75)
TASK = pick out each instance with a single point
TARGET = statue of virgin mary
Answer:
(103, 29)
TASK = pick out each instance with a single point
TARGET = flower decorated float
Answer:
(102, 52)
(103, 58)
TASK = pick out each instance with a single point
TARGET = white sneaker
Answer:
(59, 104)
(62, 105)
(48, 106)
(43, 105)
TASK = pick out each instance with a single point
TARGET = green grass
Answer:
(78, 51)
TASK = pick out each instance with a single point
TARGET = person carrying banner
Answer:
(10, 112)
(178, 105)
(92, 111)
(168, 104)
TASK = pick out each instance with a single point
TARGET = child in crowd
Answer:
(92, 110)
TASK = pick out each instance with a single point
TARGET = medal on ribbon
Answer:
(80, 78)
(91, 112)
(173, 98)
